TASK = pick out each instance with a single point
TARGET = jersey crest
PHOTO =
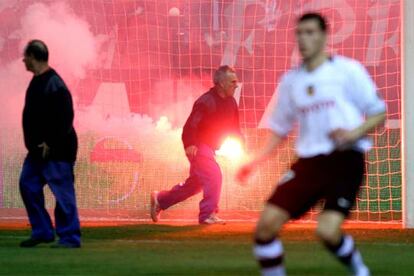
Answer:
(310, 90)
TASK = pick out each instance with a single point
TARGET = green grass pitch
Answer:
(196, 250)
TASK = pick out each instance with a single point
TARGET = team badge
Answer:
(310, 90)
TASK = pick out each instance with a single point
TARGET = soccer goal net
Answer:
(135, 67)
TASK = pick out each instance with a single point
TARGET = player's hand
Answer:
(191, 152)
(45, 150)
(244, 172)
(343, 138)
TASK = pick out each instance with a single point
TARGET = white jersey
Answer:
(337, 94)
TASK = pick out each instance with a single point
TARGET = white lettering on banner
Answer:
(234, 15)
(377, 41)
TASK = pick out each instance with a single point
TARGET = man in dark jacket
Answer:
(52, 144)
(215, 116)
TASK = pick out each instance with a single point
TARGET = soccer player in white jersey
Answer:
(335, 104)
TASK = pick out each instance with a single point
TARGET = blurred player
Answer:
(51, 140)
(214, 116)
(328, 96)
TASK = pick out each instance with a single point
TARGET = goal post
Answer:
(407, 83)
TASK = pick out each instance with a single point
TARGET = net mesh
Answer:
(135, 68)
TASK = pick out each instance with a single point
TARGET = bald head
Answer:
(36, 56)
(38, 50)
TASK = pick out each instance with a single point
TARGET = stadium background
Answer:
(135, 67)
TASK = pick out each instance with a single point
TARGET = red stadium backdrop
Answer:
(135, 68)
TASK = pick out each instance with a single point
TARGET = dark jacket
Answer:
(48, 117)
(212, 119)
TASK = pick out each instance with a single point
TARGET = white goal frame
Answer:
(407, 114)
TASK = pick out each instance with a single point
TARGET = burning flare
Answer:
(231, 148)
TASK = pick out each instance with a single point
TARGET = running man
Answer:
(214, 117)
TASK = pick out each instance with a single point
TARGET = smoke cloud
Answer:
(73, 49)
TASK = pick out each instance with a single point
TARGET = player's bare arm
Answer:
(273, 141)
(344, 138)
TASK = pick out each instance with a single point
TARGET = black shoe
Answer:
(32, 242)
(65, 245)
